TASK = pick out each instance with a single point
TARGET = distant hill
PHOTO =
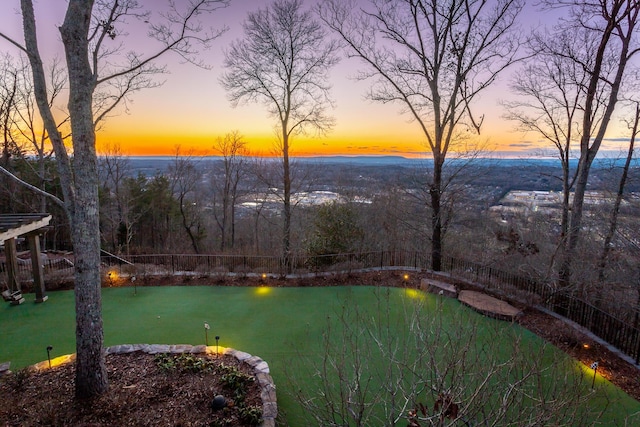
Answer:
(363, 160)
(151, 165)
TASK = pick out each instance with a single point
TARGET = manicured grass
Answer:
(278, 324)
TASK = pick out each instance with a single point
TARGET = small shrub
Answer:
(184, 362)
(233, 378)
(250, 414)
(165, 362)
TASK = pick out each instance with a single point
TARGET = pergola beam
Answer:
(14, 225)
(31, 225)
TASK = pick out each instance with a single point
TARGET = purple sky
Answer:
(191, 109)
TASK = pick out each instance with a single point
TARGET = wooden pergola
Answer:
(29, 225)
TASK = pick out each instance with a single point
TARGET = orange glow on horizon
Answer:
(265, 145)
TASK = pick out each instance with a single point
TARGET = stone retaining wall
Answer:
(259, 366)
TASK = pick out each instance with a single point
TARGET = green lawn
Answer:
(281, 325)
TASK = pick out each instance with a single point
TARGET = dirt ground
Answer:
(143, 394)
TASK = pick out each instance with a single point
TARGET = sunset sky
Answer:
(191, 109)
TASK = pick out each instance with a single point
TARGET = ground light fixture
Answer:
(206, 333)
(594, 366)
(49, 348)
(113, 278)
(217, 350)
(405, 277)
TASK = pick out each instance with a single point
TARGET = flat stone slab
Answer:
(488, 305)
(4, 368)
(436, 287)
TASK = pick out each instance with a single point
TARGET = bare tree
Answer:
(283, 62)
(549, 103)
(9, 83)
(615, 210)
(258, 200)
(433, 58)
(232, 148)
(184, 178)
(116, 208)
(87, 44)
(32, 138)
(607, 31)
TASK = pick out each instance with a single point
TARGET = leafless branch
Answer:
(32, 187)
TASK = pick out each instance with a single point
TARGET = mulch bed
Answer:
(141, 393)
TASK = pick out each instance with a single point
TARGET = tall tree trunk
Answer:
(80, 191)
(234, 200)
(435, 191)
(286, 236)
(613, 221)
(91, 373)
(564, 273)
(225, 205)
(591, 138)
(566, 192)
(187, 227)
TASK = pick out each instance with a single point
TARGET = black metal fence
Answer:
(608, 326)
(244, 264)
(58, 268)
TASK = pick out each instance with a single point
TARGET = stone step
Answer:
(441, 288)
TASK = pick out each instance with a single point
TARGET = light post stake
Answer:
(217, 350)
(594, 366)
(49, 348)
(206, 334)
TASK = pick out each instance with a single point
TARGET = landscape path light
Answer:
(206, 334)
(217, 350)
(49, 348)
(594, 366)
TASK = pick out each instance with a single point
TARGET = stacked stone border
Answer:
(259, 366)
